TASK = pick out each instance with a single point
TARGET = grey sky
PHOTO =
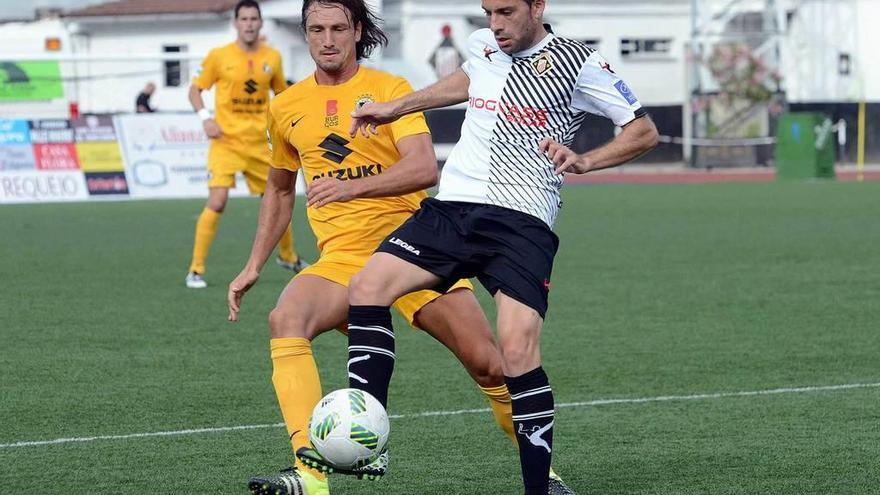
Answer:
(24, 9)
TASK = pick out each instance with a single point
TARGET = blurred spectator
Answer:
(446, 58)
(142, 105)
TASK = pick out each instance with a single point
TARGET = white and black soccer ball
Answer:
(349, 428)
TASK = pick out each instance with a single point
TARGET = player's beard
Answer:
(525, 40)
(331, 67)
(334, 65)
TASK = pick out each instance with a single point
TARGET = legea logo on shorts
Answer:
(404, 245)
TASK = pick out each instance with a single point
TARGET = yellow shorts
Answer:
(340, 268)
(226, 159)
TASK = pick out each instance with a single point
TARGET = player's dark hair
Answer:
(371, 35)
(248, 4)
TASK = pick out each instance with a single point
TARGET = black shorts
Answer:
(505, 249)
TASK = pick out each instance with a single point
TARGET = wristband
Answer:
(204, 114)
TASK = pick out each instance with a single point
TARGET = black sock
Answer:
(370, 350)
(532, 402)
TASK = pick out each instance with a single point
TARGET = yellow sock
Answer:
(499, 400)
(285, 246)
(298, 387)
(206, 228)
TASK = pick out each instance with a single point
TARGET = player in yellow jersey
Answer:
(242, 74)
(359, 190)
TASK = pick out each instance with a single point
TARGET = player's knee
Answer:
(488, 372)
(520, 355)
(216, 201)
(285, 323)
(363, 290)
(483, 361)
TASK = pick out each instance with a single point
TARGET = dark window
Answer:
(645, 47)
(176, 71)
(591, 42)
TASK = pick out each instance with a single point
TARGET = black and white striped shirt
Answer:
(514, 103)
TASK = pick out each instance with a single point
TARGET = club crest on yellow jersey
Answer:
(363, 100)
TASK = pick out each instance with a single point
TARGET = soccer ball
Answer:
(349, 428)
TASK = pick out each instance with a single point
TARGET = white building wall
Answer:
(814, 43)
(105, 87)
(30, 38)
(111, 86)
(657, 81)
(821, 30)
(868, 12)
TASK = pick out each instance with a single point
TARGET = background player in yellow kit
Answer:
(242, 73)
(359, 191)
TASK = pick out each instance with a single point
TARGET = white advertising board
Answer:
(42, 186)
(165, 156)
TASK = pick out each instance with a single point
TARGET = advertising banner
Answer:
(94, 128)
(15, 132)
(136, 155)
(99, 155)
(56, 156)
(16, 152)
(39, 162)
(166, 156)
(53, 145)
(17, 157)
(54, 131)
(30, 81)
(106, 183)
(37, 186)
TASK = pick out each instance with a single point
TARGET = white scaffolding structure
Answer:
(809, 47)
(755, 27)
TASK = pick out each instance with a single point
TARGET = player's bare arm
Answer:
(637, 138)
(447, 91)
(416, 170)
(211, 127)
(275, 212)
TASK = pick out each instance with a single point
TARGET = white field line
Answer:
(590, 403)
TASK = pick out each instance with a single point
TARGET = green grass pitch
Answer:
(657, 291)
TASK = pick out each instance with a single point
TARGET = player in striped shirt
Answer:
(527, 93)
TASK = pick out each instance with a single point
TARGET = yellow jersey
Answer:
(308, 131)
(243, 80)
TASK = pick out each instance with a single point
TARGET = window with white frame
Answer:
(646, 48)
